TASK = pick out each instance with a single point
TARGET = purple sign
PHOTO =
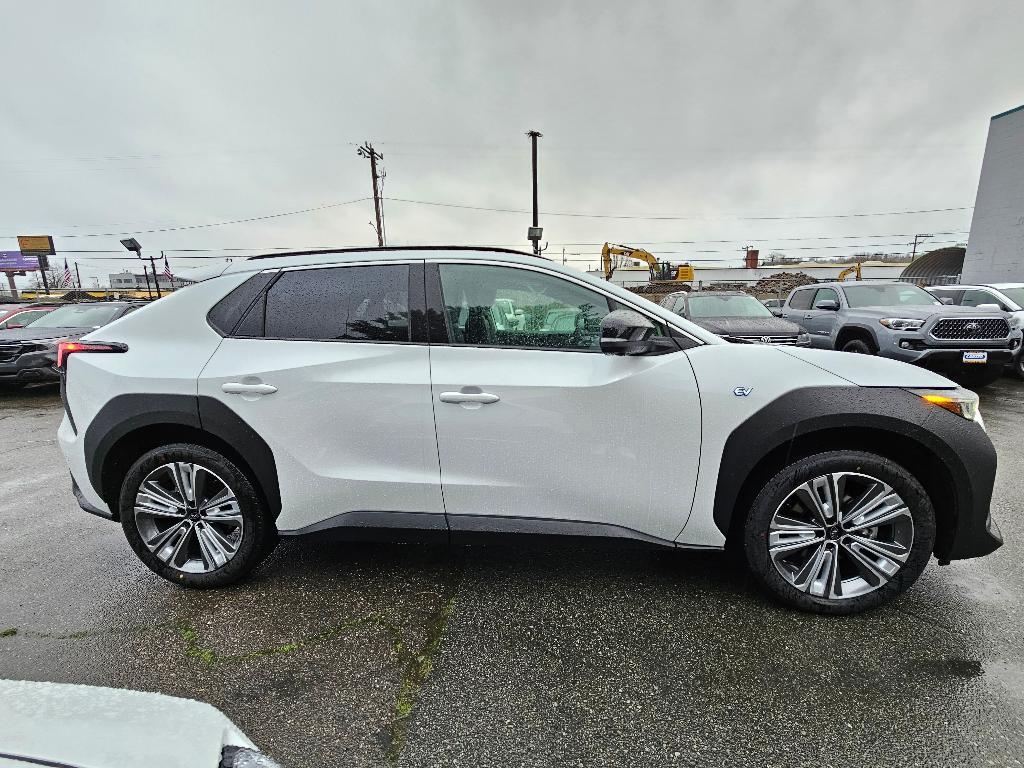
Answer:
(16, 260)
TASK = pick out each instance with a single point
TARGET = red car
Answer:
(20, 315)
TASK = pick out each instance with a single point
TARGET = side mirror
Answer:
(828, 304)
(991, 307)
(947, 300)
(625, 332)
(777, 311)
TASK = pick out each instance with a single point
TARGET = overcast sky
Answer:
(123, 117)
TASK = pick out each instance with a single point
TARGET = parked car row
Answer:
(20, 315)
(968, 333)
(29, 353)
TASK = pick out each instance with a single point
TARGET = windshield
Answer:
(1016, 295)
(904, 294)
(727, 306)
(79, 316)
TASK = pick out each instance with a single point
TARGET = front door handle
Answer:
(237, 388)
(483, 398)
(808, 317)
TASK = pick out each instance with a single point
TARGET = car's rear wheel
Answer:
(839, 532)
(193, 517)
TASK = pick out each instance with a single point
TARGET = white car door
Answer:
(537, 430)
(328, 369)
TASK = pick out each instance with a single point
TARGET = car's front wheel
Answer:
(193, 517)
(839, 532)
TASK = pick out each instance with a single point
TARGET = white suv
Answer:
(460, 392)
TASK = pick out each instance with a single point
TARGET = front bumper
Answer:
(30, 366)
(913, 348)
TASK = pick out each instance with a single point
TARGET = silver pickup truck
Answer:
(900, 320)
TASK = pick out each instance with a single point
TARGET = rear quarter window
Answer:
(227, 313)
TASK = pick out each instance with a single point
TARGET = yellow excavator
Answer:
(659, 270)
(854, 270)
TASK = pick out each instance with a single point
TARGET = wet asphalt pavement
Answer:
(346, 654)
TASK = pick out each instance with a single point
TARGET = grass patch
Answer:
(417, 667)
(10, 632)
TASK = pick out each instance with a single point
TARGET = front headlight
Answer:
(960, 401)
(901, 323)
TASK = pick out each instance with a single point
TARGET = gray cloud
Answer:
(139, 115)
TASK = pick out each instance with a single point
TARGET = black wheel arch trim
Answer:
(857, 330)
(962, 447)
(125, 414)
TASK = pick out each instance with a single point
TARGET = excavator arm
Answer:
(609, 250)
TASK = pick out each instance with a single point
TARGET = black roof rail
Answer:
(399, 248)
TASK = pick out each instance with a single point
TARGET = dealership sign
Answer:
(16, 260)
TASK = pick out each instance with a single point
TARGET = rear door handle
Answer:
(237, 388)
(483, 398)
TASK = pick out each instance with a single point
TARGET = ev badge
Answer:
(742, 391)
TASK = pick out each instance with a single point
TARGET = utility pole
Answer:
(535, 232)
(373, 155)
(922, 237)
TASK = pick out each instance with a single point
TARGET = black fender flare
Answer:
(128, 413)
(856, 327)
(961, 447)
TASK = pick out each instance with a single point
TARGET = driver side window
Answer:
(494, 306)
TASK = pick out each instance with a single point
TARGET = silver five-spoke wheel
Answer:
(840, 535)
(188, 517)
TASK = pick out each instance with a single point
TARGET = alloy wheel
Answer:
(188, 517)
(840, 535)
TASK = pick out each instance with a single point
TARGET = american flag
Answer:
(167, 271)
(65, 279)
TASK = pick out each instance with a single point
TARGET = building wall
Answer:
(995, 250)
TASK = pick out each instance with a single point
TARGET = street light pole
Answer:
(133, 245)
(535, 232)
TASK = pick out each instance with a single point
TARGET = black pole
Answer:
(46, 284)
(79, 276)
(145, 274)
(534, 135)
(156, 282)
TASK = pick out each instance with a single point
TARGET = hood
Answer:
(869, 370)
(749, 326)
(923, 313)
(82, 725)
(41, 334)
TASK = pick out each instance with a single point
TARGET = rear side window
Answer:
(359, 303)
(801, 299)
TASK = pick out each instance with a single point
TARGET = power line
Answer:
(215, 223)
(679, 218)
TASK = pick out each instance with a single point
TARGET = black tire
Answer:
(258, 533)
(778, 489)
(859, 347)
(1018, 366)
(979, 376)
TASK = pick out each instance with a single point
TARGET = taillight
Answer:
(66, 348)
